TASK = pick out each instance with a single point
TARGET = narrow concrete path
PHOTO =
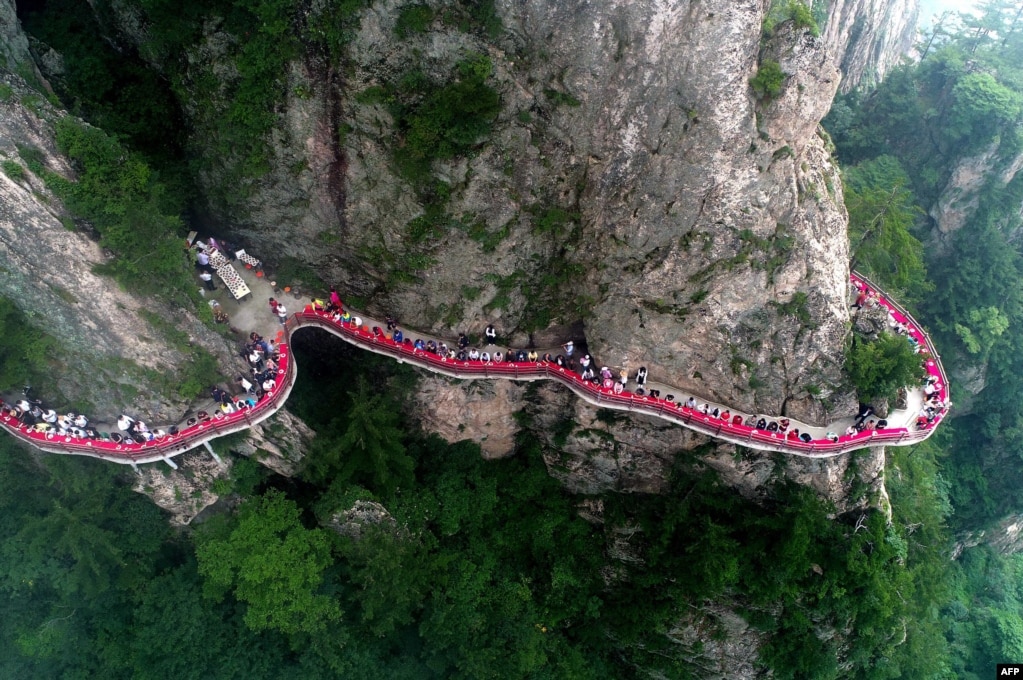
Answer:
(369, 334)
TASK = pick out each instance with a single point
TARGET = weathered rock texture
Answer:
(693, 203)
(109, 354)
(279, 442)
(13, 42)
(871, 37)
(592, 451)
(710, 240)
(1006, 537)
(709, 236)
(717, 643)
(961, 195)
(482, 410)
(184, 492)
(352, 521)
(987, 173)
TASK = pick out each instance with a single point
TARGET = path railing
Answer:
(674, 411)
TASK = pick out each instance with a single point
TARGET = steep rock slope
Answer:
(632, 188)
(705, 237)
(111, 358)
(871, 36)
(48, 273)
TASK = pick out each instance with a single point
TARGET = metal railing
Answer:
(674, 412)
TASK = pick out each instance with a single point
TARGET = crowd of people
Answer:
(264, 360)
(33, 413)
(934, 405)
(488, 353)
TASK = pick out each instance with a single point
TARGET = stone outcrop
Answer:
(705, 233)
(186, 491)
(351, 522)
(718, 643)
(593, 451)
(481, 410)
(991, 170)
(961, 195)
(689, 214)
(13, 41)
(279, 442)
(869, 37)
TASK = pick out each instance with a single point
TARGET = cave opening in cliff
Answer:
(27, 7)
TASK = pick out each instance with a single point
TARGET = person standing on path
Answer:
(202, 260)
(207, 279)
(569, 348)
(282, 313)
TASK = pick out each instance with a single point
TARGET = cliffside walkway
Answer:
(901, 429)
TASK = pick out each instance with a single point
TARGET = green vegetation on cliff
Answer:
(944, 134)
(120, 195)
(468, 569)
(485, 568)
(959, 107)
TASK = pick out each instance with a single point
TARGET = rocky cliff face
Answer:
(992, 169)
(632, 184)
(48, 272)
(692, 201)
(869, 37)
(1006, 537)
(111, 358)
(633, 193)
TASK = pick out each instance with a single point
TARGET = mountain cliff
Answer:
(870, 36)
(649, 179)
(630, 181)
(618, 180)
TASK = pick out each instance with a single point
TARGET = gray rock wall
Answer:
(48, 273)
(709, 243)
(869, 37)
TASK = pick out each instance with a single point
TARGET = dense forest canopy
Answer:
(488, 569)
(901, 146)
(904, 147)
(476, 569)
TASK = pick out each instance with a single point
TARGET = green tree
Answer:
(881, 215)
(986, 326)
(26, 353)
(272, 563)
(391, 569)
(767, 82)
(364, 446)
(439, 122)
(981, 107)
(119, 194)
(879, 368)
